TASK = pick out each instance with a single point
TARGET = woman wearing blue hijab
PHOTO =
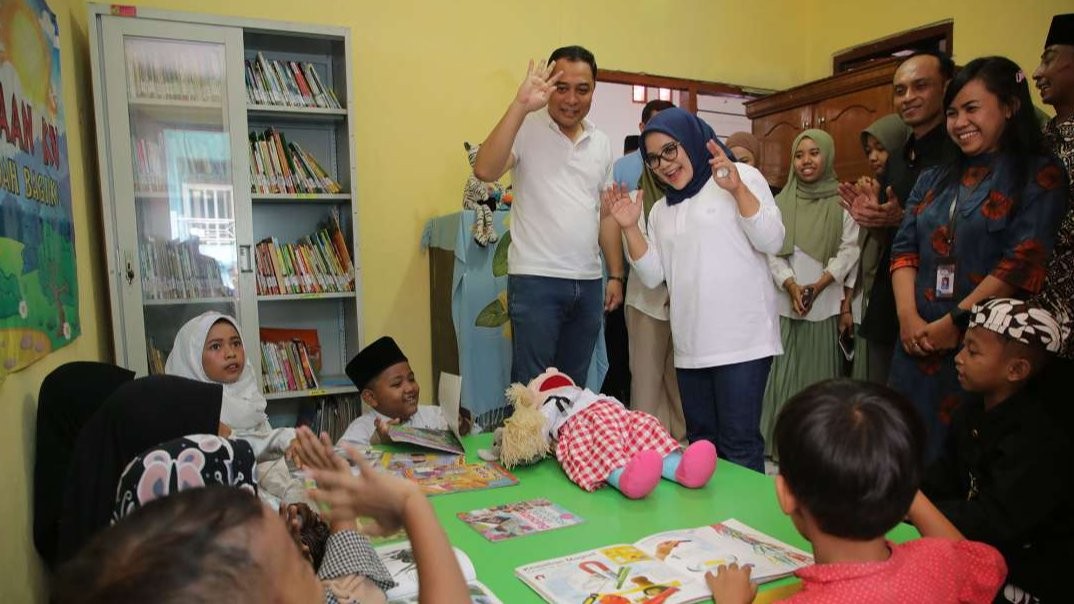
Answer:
(708, 239)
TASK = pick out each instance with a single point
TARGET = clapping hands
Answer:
(862, 201)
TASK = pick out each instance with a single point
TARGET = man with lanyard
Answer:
(919, 85)
(1054, 78)
(559, 162)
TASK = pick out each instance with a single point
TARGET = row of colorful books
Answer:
(176, 76)
(287, 83)
(279, 166)
(317, 263)
(286, 366)
(175, 270)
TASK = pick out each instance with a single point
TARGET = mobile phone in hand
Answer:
(807, 297)
(846, 344)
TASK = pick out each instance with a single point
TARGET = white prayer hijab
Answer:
(243, 405)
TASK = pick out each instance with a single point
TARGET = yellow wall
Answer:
(430, 75)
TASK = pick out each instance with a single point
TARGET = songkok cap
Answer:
(1021, 321)
(378, 356)
(1061, 31)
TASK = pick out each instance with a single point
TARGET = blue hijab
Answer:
(692, 133)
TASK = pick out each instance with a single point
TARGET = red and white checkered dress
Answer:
(605, 436)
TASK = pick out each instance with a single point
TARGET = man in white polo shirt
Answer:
(559, 163)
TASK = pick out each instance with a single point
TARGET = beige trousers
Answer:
(653, 386)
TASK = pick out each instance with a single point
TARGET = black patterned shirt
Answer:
(1057, 294)
(349, 554)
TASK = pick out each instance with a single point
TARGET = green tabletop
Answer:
(610, 518)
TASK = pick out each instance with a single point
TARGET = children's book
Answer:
(439, 440)
(665, 568)
(454, 478)
(517, 519)
(399, 559)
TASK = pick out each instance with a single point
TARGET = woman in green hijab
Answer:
(819, 252)
(885, 136)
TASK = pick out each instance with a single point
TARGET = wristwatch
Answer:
(960, 317)
(617, 278)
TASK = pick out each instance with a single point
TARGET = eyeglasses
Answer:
(667, 153)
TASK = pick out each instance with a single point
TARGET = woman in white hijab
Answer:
(209, 348)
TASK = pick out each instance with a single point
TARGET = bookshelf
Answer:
(227, 176)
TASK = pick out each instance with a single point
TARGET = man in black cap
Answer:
(1055, 80)
(383, 376)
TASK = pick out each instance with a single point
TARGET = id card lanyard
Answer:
(945, 266)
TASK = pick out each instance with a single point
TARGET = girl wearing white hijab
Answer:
(222, 359)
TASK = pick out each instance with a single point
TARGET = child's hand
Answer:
(378, 495)
(731, 584)
(317, 453)
(382, 429)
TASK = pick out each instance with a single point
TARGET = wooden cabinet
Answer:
(842, 105)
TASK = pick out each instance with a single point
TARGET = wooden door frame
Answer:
(692, 88)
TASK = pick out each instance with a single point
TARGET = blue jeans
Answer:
(723, 405)
(554, 323)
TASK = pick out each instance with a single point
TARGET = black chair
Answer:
(68, 397)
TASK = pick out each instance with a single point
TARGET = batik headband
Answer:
(1022, 322)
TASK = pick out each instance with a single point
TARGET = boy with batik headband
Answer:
(383, 376)
(999, 478)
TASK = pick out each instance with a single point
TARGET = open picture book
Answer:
(449, 440)
(399, 559)
(665, 568)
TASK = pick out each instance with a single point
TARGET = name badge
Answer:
(945, 278)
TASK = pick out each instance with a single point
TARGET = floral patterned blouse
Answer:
(998, 230)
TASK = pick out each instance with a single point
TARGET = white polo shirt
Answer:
(555, 218)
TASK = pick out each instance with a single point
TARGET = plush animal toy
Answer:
(482, 197)
(596, 439)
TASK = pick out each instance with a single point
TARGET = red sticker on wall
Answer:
(123, 10)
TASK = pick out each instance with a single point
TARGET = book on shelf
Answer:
(286, 366)
(334, 413)
(157, 73)
(185, 156)
(286, 84)
(157, 358)
(176, 270)
(670, 564)
(317, 263)
(281, 166)
(308, 337)
(399, 559)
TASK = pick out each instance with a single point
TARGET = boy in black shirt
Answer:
(1002, 477)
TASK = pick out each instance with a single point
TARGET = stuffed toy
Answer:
(482, 197)
(596, 439)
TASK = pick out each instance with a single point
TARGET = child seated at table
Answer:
(851, 458)
(208, 348)
(383, 376)
(997, 478)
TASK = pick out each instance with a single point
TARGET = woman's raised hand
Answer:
(724, 171)
(537, 87)
(616, 201)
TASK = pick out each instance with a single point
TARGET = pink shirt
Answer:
(923, 570)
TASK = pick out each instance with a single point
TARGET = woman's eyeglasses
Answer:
(667, 153)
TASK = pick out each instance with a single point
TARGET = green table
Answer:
(610, 518)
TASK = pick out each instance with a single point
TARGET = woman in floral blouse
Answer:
(981, 226)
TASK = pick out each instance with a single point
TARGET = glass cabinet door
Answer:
(178, 217)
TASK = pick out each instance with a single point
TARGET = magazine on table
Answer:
(400, 561)
(667, 567)
(510, 520)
